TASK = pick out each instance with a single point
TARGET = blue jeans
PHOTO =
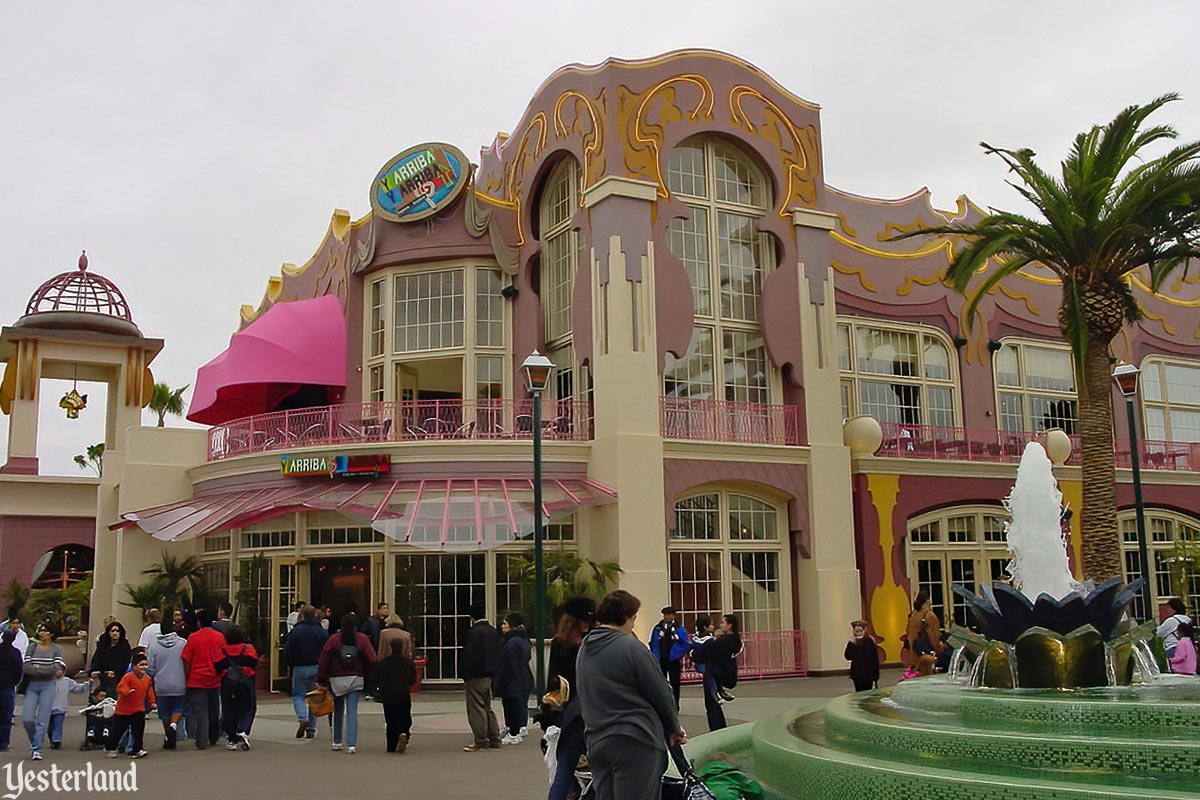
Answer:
(712, 709)
(304, 680)
(347, 704)
(39, 699)
(8, 702)
(571, 745)
(56, 726)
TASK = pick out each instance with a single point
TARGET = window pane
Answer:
(692, 375)
(931, 580)
(1183, 385)
(1049, 369)
(941, 406)
(434, 594)
(750, 519)
(1007, 373)
(741, 278)
(688, 240)
(937, 360)
(695, 584)
(685, 171)
(489, 309)
(929, 532)
(1052, 412)
(696, 518)
(1156, 424)
(962, 571)
(736, 181)
(843, 345)
(429, 311)
(886, 352)
(1185, 426)
(754, 581)
(1012, 414)
(891, 402)
(994, 529)
(378, 298)
(745, 366)
(375, 387)
(1152, 381)
(960, 529)
(558, 278)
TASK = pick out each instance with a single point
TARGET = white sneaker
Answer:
(510, 739)
(232, 746)
(351, 750)
(336, 746)
(245, 737)
(523, 732)
(36, 755)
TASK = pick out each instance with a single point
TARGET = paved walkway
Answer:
(281, 766)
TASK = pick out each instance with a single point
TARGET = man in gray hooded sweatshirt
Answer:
(627, 706)
(165, 665)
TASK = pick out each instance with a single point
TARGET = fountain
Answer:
(1054, 695)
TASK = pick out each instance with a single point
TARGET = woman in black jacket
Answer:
(863, 656)
(110, 662)
(514, 681)
(719, 657)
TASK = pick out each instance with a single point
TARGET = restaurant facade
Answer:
(722, 322)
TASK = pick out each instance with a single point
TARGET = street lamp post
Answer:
(537, 370)
(1126, 376)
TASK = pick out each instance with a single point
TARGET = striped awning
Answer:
(443, 513)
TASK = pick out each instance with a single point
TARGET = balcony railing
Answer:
(722, 421)
(932, 442)
(385, 423)
(766, 654)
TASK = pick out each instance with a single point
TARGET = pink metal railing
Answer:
(359, 423)
(766, 654)
(722, 421)
(938, 443)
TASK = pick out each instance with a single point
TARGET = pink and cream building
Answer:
(719, 316)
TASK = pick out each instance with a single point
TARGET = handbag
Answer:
(320, 701)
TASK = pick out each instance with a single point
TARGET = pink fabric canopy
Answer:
(292, 345)
(439, 514)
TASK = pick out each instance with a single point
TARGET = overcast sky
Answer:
(193, 148)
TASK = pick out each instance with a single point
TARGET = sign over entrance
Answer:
(419, 182)
(309, 465)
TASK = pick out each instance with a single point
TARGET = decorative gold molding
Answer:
(905, 289)
(1026, 299)
(643, 140)
(942, 245)
(593, 141)
(797, 166)
(1168, 328)
(857, 272)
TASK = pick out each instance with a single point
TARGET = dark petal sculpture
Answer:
(1015, 609)
(987, 617)
(1120, 606)
(1061, 616)
(1099, 604)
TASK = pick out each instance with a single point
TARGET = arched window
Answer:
(1171, 400)
(559, 262)
(722, 250)
(899, 375)
(1173, 542)
(1035, 387)
(726, 554)
(966, 545)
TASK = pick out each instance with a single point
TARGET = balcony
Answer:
(931, 442)
(722, 421)
(393, 422)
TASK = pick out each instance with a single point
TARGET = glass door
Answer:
(284, 593)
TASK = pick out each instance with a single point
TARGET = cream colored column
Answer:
(828, 580)
(23, 420)
(627, 453)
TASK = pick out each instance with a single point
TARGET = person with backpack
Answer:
(346, 660)
(203, 650)
(237, 669)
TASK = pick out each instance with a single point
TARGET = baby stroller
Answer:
(98, 715)
(687, 787)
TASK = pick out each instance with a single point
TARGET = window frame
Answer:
(1026, 392)
(1156, 545)
(937, 546)
(1164, 403)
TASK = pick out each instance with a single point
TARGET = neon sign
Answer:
(305, 466)
(419, 182)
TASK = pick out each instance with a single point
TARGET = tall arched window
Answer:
(964, 545)
(1171, 400)
(726, 261)
(559, 264)
(1035, 387)
(726, 555)
(1173, 543)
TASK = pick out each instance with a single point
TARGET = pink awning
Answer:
(446, 513)
(296, 344)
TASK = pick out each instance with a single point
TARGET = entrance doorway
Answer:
(342, 584)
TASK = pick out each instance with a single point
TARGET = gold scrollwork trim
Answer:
(1024, 298)
(1168, 328)
(905, 288)
(593, 142)
(939, 246)
(845, 223)
(857, 272)
(643, 156)
(800, 183)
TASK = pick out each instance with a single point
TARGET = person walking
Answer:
(20, 638)
(301, 653)
(394, 677)
(135, 698)
(346, 660)
(719, 657)
(153, 620)
(223, 624)
(237, 667)
(201, 653)
(514, 680)
(572, 622)
(12, 668)
(669, 643)
(863, 655)
(64, 687)
(478, 664)
(1168, 631)
(922, 637)
(628, 709)
(394, 636)
(372, 627)
(164, 665)
(44, 665)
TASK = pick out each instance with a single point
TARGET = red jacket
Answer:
(203, 650)
(330, 664)
(244, 655)
(132, 694)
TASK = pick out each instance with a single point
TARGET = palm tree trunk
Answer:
(1098, 521)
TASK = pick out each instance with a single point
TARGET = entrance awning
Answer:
(444, 513)
(292, 345)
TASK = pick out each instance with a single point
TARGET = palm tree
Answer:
(1112, 212)
(147, 596)
(180, 578)
(165, 400)
(94, 459)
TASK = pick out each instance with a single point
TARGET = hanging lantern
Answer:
(73, 402)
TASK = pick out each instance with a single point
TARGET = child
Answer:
(1183, 662)
(63, 689)
(135, 697)
(863, 657)
(394, 678)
